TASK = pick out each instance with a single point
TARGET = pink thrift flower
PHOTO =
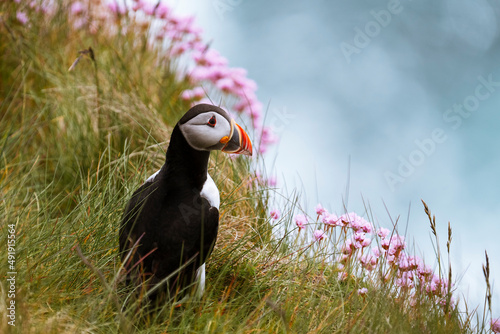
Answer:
(390, 258)
(275, 214)
(319, 235)
(225, 84)
(368, 261)
(362, 291)
(196, 93)
(320, 210)
(366, 242)
(350, 219)
(272, 182)
(147, 7)
(216, 73)
(413, 262)
(367, 227)
(199, 73)
(359, 236)
(301, 221)
(347, 247)
(254, 109)
(162, 10)
(495, 325)
(342, 276)
(358, 223)
(209, 58)
(383, 232)
(330, 219)
(115, 8)
(405, 281)
(76, 8)
(267, 136)
(22, 17)
(178, 49)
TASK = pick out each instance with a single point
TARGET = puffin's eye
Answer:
(212, 122)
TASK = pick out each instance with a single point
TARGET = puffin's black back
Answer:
(172, 225)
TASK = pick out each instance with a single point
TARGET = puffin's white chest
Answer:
(152, 177)
(210, 192)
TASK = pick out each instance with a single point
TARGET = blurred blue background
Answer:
(402, 96)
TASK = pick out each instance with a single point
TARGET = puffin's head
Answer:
(208, 128)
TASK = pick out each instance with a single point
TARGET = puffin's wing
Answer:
(209, 229)
(132, 224)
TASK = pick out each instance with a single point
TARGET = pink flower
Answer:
(216, 73)
(342, 276)
(301, 221)
(209, 58)
(366, 226)
(368, 261)
(272, 182)
(225, 84)
(76, 8)
(267, 136)
(495, 325)
(356, 222)
(254, 109)
(362, 291)
(148, 8)
(366, 242)
(359, 236)
(22, 17)
(116, 8)
(196, 93)
(162, 10)
(275, 214)
(348, 219)
(383, 232)
(347, 247)
(406, 280)
(394, 245)
(178, 49)
(320, 210)
(186, 26)
(330, 219)
(319, 235)
(200, 73)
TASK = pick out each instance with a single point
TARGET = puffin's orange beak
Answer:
(239, 142)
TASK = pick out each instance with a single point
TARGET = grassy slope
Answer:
(74, 145)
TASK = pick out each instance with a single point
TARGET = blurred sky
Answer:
(402, 95)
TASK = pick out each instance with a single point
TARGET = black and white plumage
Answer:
(170, 224)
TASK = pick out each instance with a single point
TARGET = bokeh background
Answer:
(380, 104)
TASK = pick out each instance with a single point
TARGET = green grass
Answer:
(75, 145)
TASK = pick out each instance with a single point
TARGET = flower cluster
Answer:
(179, 40)
(362, 246)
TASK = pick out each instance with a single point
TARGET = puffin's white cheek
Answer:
(202, 136)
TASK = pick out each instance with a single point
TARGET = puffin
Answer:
(170, 224)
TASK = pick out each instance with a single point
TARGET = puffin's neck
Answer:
(185, 166)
